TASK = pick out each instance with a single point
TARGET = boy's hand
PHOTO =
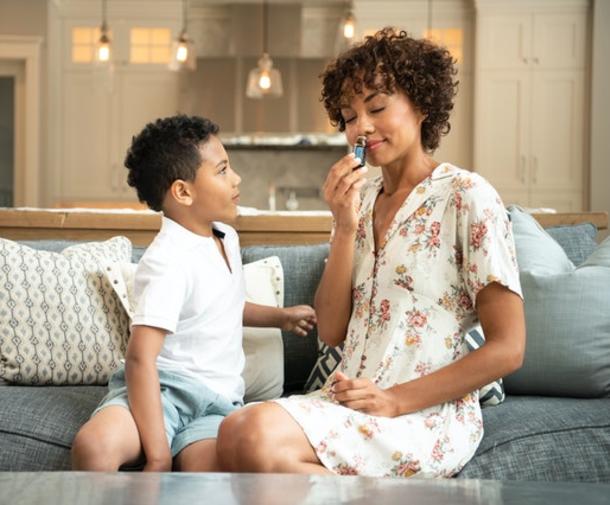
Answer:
(299, 319)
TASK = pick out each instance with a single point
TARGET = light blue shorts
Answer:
(191, 411)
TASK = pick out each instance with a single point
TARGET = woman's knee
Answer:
(245, 440)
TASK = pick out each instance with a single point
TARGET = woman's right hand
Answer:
(342, 192)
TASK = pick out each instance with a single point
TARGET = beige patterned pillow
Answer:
(60, 320)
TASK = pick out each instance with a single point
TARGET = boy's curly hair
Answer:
(164, 151)
(390, 60)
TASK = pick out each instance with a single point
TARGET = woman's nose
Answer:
(364, 126)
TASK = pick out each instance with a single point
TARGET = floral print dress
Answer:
(412, 303)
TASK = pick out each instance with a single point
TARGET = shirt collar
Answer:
(185, 236)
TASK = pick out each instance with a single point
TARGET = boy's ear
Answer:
(180, 191)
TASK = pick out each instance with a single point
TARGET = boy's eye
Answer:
(348, 120)
(223, 170)
(379, 109)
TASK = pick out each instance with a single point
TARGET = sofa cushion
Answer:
(567, 311)
(577, 241)
(543, 438)
(60, 321)
(38, 424)
(303, 266)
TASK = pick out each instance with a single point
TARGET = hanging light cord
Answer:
(104, 15)
(184, 16)
(264, 26)
(429, 18)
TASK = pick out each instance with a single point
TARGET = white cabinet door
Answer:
(504, 41)
(557, 150)
(559, 40)
(143, 96)
(502, 128)
(86, 166)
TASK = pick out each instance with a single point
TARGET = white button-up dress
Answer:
(412, 303)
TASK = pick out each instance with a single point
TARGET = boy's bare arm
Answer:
(144, 395)
(299, 319)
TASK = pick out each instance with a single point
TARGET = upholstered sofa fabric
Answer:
(542, 438)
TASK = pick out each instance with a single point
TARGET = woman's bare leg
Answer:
(107, 441)
(265, 438)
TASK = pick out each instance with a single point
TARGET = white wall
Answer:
(600, 108)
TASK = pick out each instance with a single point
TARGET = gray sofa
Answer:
(526, 437)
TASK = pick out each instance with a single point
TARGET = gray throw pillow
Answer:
(567, 311)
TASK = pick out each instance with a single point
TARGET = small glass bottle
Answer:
(360, 150)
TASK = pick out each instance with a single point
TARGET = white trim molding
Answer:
(27, 50)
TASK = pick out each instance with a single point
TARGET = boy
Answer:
(184, 359)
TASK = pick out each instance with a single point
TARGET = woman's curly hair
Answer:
(165, 151)
(390, 60)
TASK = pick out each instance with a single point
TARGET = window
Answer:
(84, 39)
(150, 45)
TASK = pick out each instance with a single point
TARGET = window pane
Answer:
(160, 36)
(82, 35)
(139, 54)
(82, 54)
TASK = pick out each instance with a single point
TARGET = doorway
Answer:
(11, 128)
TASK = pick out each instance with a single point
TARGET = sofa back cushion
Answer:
(303, 266)
(567, 311)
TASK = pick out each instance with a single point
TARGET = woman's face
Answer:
(390, 122)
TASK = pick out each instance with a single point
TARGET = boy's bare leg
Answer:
(107, 441)
(198, 457)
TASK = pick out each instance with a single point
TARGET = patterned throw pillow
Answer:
(60, 320)
(329, 358)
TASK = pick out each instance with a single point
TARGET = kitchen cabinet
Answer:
(530, 114)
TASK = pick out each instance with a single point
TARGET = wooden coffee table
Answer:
(79, 488)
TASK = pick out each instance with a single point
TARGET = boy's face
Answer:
(215, 192)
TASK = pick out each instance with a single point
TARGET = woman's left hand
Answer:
(364, 396)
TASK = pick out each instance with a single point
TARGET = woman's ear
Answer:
(180, 192)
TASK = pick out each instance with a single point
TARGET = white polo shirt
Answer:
(183, 285)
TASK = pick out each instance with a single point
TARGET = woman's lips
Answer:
(373, 144)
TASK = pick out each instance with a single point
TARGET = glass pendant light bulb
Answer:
(102, 46)
(349, 26)
(182, 52)
(103, 52)
(264, 81)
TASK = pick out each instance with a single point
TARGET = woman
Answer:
(417, 257)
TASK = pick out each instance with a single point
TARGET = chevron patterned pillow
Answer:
(329, 358)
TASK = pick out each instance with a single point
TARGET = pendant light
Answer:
(183, 49)
(264, 80)
(349, 24)
(102, 47)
